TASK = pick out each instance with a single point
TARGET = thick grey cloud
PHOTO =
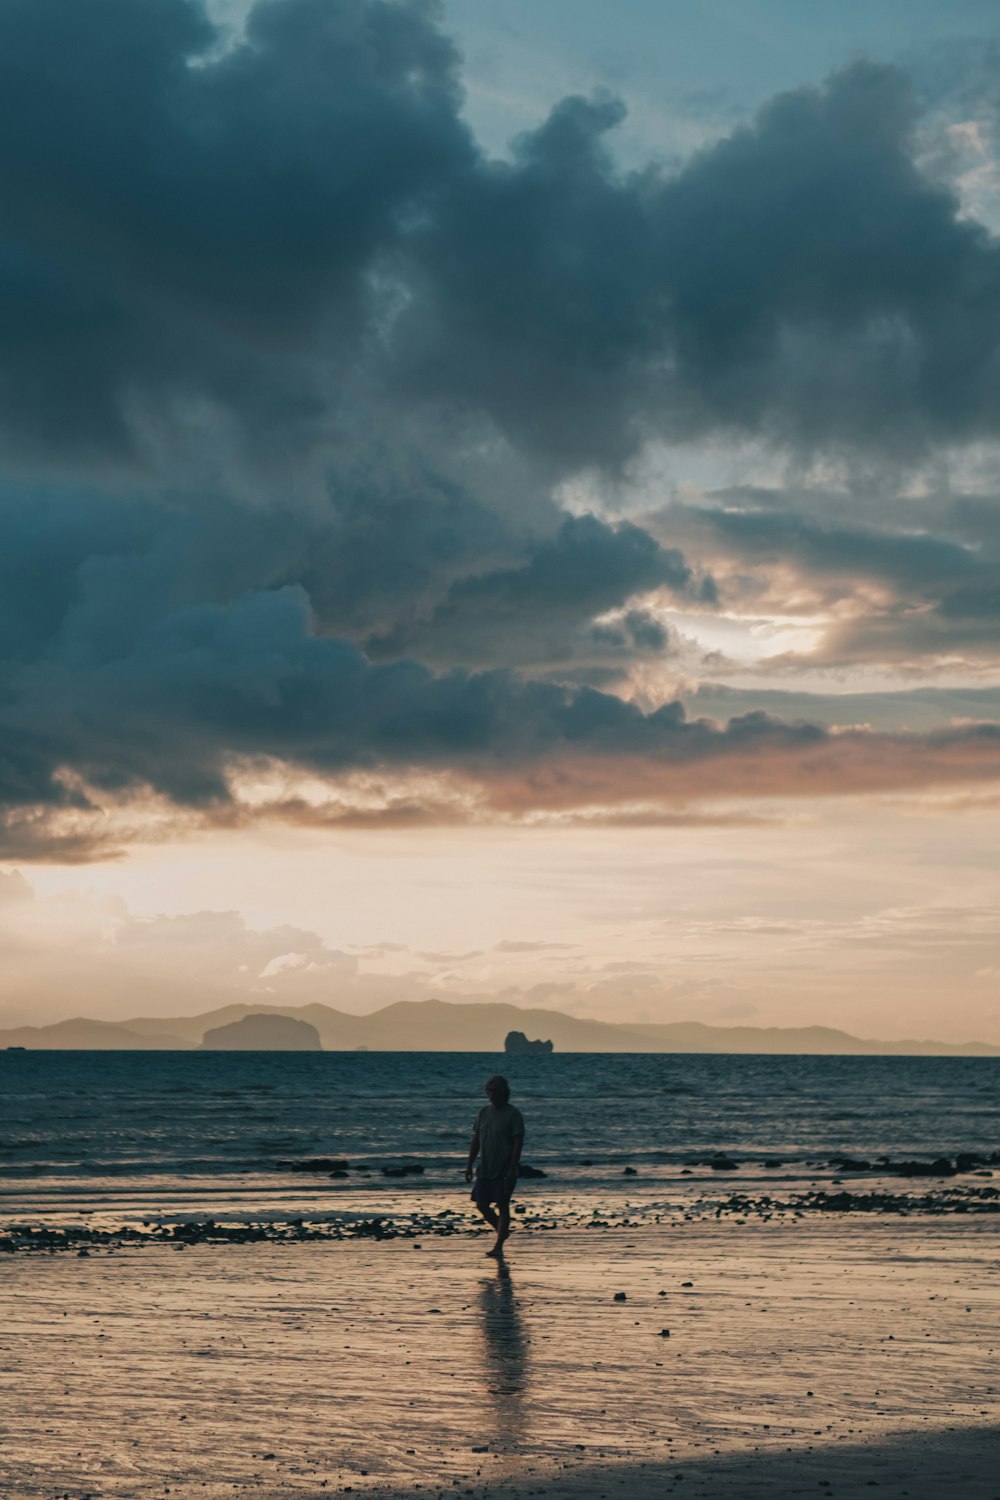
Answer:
(302, 222)
(539, 299)
(180, 225)
(636, 631)
(801, 278)
(529, 614)
(209, 689)
(224, 264)
(406, 565)
(916, 562)
(916, 710)
(823, 286)
(209, 683)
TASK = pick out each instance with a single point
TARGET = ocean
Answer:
(120, 1137)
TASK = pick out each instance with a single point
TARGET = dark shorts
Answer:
(491, 1190)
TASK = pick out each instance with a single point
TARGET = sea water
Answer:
(126, 1135)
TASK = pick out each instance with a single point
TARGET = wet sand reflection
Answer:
(505, 1356)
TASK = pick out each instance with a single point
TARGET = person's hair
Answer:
(500, 1087)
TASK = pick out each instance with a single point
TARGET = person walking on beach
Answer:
(497, 1138)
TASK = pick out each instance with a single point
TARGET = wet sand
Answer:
(841, 1354)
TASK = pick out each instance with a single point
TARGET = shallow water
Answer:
(190, 1132)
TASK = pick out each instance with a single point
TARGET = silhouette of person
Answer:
(497, 1139)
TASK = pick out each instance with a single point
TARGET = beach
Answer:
(836, 1353)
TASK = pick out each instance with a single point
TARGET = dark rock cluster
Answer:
(958, 1200)
(314, 1164)
(83, 1238)
(939, 1166)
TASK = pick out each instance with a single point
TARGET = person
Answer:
(497, 1139)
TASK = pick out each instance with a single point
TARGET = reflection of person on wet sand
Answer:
(506, 1350)
(497, 1138)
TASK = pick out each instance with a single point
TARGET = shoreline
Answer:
(859, 1349)
(41, 1231)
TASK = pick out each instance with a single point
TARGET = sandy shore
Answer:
(839, 1355)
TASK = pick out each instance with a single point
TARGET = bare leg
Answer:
(489, 1215)
(503, 1231)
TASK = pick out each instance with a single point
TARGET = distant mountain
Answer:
(83, 1035)
(266, 1033)
(441, 1026)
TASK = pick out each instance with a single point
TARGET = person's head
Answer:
(497, 1091)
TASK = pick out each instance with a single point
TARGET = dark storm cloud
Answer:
(920, 563)
(823, 286)
(539, 296)
(917, 710)
(179, 225)
(529, 614)
(290, 253)
(636, 631)
(210, 689)
(407, 564)
(800, 278)
(208, 683)
(301, 222)
(588, 562)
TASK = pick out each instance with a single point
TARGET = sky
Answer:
(502, 502)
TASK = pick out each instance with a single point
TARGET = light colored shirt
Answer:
(497, 1129)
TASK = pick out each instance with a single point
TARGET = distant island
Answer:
(516, 1041)
(443, 1026)
(263, 1033)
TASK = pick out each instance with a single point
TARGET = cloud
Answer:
(800, 278)
(210, 683)
(511, 945)
(186, 225)
(14, 887)
(917, 709)
(404, 564)
(68, 953)
(915, 562)
(209, 692)
(635, 630)
(539, 612)
(880, 578)
(290, 231)
(321, 371)
(450, 958)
